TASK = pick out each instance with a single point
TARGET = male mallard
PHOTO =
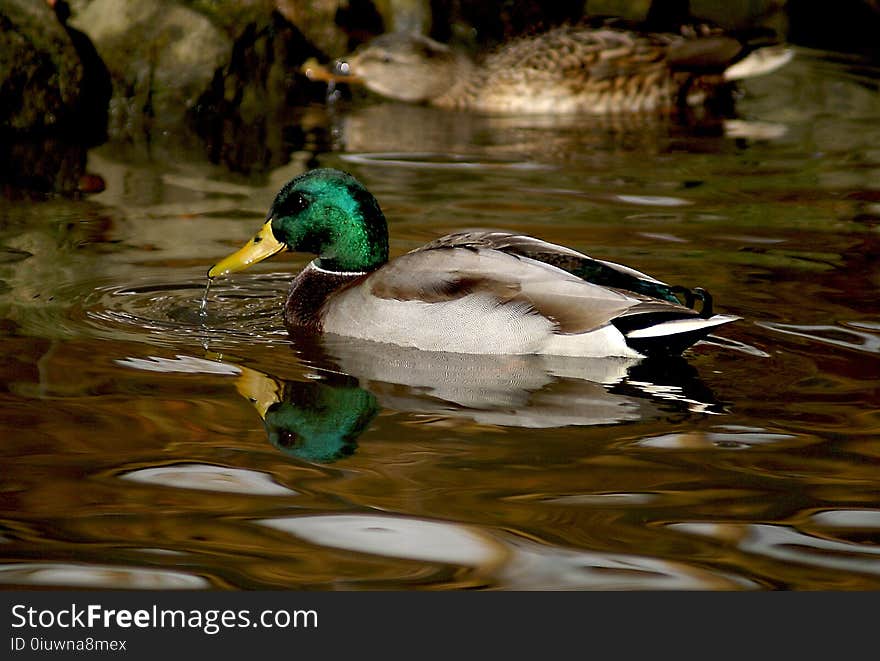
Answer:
(581, 69)
(480, 292)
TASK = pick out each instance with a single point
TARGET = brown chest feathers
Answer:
(309, 293)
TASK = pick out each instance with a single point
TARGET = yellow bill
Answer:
(263, 245)
(261, 390)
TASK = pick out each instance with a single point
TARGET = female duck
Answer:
(565, 70)
(480, 292)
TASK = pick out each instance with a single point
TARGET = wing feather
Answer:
(597, 271)
(447, 270)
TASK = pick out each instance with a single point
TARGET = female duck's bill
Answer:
(479, 292)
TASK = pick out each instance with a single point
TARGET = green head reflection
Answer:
(319, 422)
(315, 421)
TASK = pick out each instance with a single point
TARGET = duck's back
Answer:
(570, 70)
(597, 70)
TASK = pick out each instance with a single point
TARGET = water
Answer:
(156, 434)
(203, 306)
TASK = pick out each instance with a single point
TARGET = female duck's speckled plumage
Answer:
(480, 291)
(564, 70)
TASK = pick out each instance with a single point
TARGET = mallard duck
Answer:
(583, 69)
(478, 292)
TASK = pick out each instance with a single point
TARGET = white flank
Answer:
(606, 341)
(473, 324)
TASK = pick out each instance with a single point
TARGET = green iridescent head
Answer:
(325, 212)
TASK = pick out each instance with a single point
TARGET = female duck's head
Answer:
(325, 212)
(404, 66)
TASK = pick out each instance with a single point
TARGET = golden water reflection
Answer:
(147, 446)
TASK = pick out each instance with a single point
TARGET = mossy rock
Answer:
(40, 71)
(161, 55)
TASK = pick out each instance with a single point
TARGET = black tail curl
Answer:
(691, 296)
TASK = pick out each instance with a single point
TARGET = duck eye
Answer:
(295, 203)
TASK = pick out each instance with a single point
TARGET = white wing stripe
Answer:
(680, 326)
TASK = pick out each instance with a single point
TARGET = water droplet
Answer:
(203, 313)
(203, 308)
(332, 95)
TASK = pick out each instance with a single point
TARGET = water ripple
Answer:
(436, 161)
(843, 518)
(534, 566)
(71, 575)
(697, 440)
(396, 537)
(844, 337)
(789, 545)
(204, 477)
(246, 309)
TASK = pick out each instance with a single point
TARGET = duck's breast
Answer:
(475, 323)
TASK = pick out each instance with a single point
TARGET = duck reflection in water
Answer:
(316, 421)
(319, 419)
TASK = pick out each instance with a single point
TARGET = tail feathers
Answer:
(674, 336)
(759, 62)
